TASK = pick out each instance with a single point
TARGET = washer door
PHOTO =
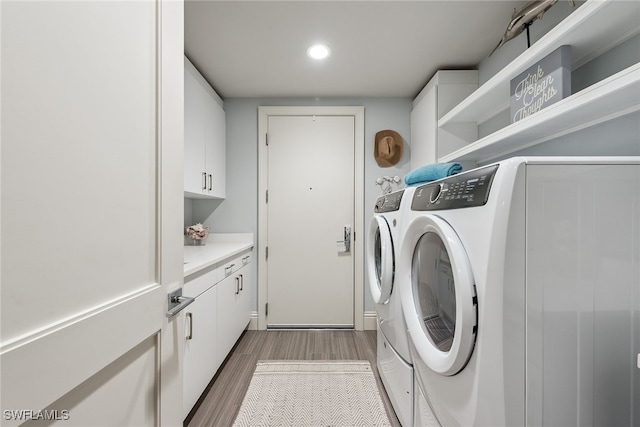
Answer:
(440, 305)
(380, 259)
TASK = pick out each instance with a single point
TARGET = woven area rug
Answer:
(312, 394)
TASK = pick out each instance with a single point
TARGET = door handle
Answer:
(177, 302)
(346, 238)
(229, 269)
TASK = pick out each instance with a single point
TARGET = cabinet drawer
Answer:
(201, 281)
(235, 264)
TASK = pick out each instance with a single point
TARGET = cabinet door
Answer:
(205, 137)
(194, 132)
(244, 303)
(215, 149)
(228, 295)
(200, 356)
(424, 127)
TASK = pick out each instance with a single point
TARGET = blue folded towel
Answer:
(431, 172)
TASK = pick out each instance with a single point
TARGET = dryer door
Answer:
(380, 259)
(440, 305)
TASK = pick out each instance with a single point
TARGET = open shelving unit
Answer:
(611, 98)
(591, 30)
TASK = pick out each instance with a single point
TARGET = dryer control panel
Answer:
(389, 202)
(458, 191)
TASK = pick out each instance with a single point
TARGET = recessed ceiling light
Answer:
(318, 51)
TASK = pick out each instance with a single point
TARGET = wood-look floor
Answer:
(220, 404)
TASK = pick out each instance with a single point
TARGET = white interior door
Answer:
(91, 212)
(310, 202)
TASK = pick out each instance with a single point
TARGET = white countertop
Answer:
(217, 248)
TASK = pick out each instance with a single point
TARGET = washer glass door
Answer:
(444, 319)
(380, 259)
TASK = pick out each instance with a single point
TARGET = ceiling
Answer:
(255, 49)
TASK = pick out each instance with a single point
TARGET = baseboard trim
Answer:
(253, 323)
(370, 320)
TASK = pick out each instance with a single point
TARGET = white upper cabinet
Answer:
(444, 91)
(594, 28)
(204, 137)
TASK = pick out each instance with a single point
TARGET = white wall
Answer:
(622, 56)
(238, 213)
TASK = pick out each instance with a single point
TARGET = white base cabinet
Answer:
(234, 311)
(214, 322)
(200, 358)
(244, 308)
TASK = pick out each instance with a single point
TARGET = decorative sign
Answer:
(543, 84)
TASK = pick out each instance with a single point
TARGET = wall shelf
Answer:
(611, 98)
(591, 30)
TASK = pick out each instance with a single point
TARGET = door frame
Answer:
(358, 228)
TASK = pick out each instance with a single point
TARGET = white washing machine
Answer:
(520, 286)
(393, 355)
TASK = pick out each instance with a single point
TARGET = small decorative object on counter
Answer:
(197, 233)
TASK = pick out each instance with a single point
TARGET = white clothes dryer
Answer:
(519, 284)
(393, 355)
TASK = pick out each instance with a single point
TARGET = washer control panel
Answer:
(459, 191)
(388, 202)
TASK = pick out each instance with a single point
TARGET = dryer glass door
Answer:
(435, 287)
(444, 321)
(380, 259)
